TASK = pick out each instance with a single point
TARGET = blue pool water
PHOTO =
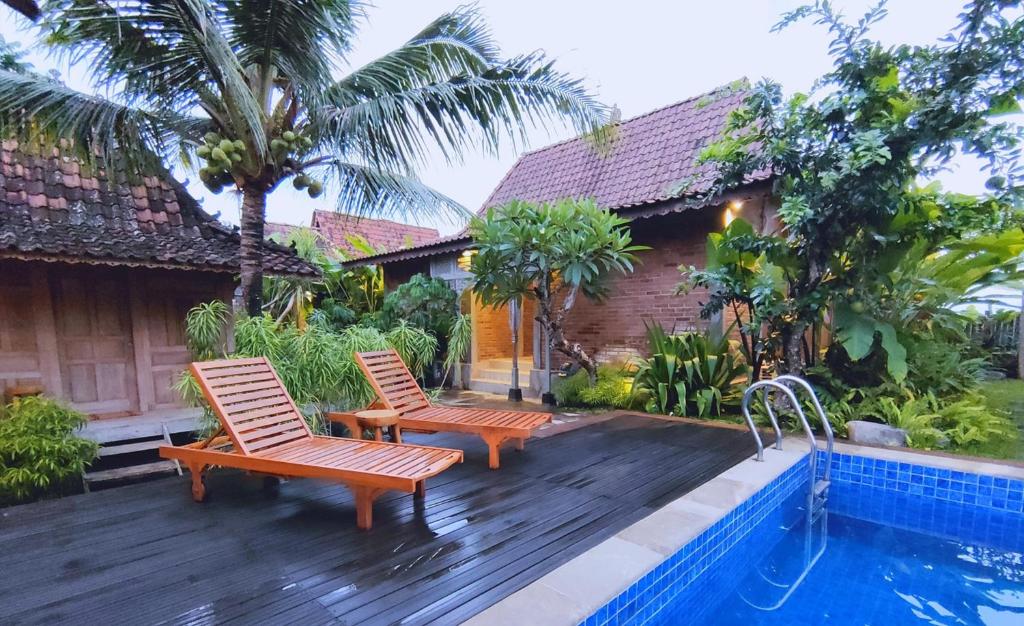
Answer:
(869, 573)
(900, 544)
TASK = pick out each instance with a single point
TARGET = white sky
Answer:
(640, 56)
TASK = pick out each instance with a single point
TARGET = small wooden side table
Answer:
(374, 419)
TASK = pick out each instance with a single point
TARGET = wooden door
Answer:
(94, 340)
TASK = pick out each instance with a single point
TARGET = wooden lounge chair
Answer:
(398, 390)
(263, 432)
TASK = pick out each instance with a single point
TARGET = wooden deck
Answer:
(147, 554)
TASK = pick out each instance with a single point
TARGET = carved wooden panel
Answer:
(94, 339)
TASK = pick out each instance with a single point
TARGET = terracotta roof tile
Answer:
(651, 158)
(53, 208)
(384, 235)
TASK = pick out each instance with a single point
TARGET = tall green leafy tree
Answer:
(249, 90)
(847, 160)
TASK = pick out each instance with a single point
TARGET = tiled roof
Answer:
(648, 168)
(53, 208)
(383, 235)
(650, 158)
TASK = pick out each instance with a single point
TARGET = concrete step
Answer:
(498, 387)
(501, 376)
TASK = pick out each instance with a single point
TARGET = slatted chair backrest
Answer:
(251, 402)
(391, 379)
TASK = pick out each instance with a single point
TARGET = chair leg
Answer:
(520, 443)
(493, 449)
(396, 434)
(352, 425)
(421, 490)
(364, 505)
(198, 481)
(378, 433)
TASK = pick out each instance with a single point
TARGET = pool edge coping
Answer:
(576, 589)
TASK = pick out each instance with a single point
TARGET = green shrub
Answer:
(316, 365)
(425, 302)
(686, 374)
(610, 390)
(964, 423)
(38, 450)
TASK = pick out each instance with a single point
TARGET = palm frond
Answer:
(455, 43)
(299, 39)
(366, 190)
(36, 109)
(448, 86)
(173, 53)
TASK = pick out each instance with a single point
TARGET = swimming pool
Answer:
(900, 544)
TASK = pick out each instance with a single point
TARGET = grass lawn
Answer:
(1006, 395)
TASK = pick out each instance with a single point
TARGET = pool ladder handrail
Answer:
(779, 383)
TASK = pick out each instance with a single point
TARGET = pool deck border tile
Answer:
(585, 590)
(579, 588)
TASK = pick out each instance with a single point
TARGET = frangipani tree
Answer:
(551, 252)
(247, 92)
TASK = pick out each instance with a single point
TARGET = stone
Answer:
(872, 433)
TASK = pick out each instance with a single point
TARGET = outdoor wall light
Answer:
(466, 260)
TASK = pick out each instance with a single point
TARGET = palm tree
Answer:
(248, 90)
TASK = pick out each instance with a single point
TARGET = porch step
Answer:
(498, 387)
(138, 470)
(132, 471)
(502, 376)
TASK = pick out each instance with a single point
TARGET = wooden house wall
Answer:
(108, 340)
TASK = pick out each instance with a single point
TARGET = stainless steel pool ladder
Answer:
(818, 495)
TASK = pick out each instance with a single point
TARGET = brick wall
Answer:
(494, 337)
(614, 330)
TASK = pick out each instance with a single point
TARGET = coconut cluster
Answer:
(221, 156)
(225, 157)
(290, 143)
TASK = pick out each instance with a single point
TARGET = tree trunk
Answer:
(792, 346)
(575, 352)
(254, 206)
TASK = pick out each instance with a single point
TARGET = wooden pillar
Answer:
(46, 331)
(141, 351)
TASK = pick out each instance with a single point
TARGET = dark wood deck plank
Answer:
(146, 553)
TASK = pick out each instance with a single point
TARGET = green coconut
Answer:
(306, 142)
(211, 138)
(288, 136)
(301, 181)
(239, 145)
(315, 189)
(203, 152)
(218, 155)
(277, 145)
(227, 145)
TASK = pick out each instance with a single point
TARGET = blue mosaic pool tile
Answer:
(644, 599)
(996, 492)
(875, 489)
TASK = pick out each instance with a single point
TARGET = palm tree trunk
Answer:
(254, 207)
